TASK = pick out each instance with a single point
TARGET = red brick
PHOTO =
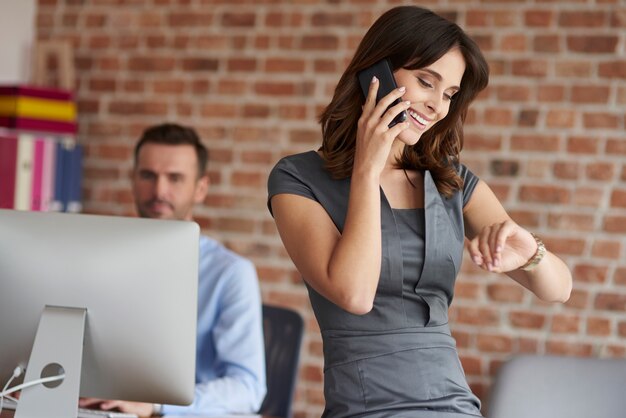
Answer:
(588, 197)
(256, 111)
(564, 348)
(571, 222)
(527, 345)
(590, 273)
(567, 170)
(286, 65)
(582, 145)
(527, 320)
(319, 42)
(239, 20)
(547, 43)
(579, 299)
(275, 88)
(151, 63)
(527, 118)
(325, 19)
(606, 249)
(477, 142)
(571, 246)
(610, 302)
(582, 69)
(513, 93)
(494, 343)
(561, 118)
(128, 108)
(589, 19)
(592, 44)
(600, 171)
(539, 18)
(600, 120)
(510, 293)
(615, 224)
(477, 316)
(514, 42)
(535, 142)
(612, 69)
(190, 19)
(544, 194)
(199, 64)
(615, 146)
(218, 110)
(551, 93)
(242, 64)
(598, 327)
(565, 324)
(530, 68)
(591, 94)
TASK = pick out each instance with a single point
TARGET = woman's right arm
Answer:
(345, 267)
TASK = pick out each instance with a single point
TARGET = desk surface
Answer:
(9, 414)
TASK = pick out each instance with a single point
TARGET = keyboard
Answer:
(83, 412)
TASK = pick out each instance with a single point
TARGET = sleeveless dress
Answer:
(399, 360)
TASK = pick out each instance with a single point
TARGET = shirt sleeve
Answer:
(285, 178)
(470, 180)
(239, 360)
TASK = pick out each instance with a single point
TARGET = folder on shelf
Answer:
(37, 109)
(68, 177)
(8, 161)
(40, 125)
(24, 172)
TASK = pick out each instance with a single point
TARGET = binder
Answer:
(8, 161)
(37, 174)
(48, 172)
(24, 172)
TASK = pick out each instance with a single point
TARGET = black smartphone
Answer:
(387, 83)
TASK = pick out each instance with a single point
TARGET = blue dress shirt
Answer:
(230, 359)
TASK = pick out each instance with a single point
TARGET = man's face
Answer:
(166, 183)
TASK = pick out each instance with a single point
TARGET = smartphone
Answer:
(386, 83)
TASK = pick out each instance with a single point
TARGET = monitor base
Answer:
(58, 348)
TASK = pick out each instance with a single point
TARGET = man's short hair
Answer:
(174, 134)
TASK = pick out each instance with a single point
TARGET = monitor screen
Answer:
(133, 280)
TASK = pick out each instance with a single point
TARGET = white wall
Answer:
(17, 32)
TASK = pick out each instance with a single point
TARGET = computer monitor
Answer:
(121, 292)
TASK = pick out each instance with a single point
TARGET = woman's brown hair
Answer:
(409, 37)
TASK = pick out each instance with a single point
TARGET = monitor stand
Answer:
(58, 348)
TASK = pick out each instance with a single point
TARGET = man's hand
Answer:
(139, 408)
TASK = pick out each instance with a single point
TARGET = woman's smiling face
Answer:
(430, 91)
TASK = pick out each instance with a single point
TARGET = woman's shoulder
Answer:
(302, 159)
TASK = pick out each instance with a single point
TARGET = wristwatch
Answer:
(537, 257)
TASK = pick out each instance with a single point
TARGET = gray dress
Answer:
(398, 360)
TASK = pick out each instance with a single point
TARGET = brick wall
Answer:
(251, 76)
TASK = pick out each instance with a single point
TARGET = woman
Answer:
(374, 222)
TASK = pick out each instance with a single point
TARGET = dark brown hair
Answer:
(173, 134)
(409, 37)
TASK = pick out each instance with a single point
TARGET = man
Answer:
(169, 178)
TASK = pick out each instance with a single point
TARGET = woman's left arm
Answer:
(498, 244)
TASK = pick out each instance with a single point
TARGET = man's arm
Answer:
(232, 377)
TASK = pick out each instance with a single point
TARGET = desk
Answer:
(9, 414)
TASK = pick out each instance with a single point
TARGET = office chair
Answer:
(533, 386)
(283, 329)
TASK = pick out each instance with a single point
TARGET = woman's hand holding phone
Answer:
(374, 136)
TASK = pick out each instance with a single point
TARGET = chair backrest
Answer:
(533, 386)
(283, 329)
